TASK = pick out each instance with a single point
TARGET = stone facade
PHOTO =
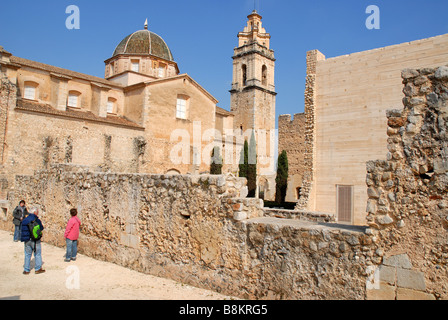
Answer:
(253, 97)
(291, 136)
(53, 115)
(312, 58)
(346, 99)
(408, 201)
(201, 230)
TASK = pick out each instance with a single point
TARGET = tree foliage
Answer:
(248, 165)
(282, 178)
(216, 161)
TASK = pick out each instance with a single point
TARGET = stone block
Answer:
(244, 192)
(372, 193)
(131, 228)
(442, 73)
(240, 216)
(409, 73)
(409, 294)
(134, 241)
(384, 220)
(124, 239)
(399, 261)
(410, 279)
(237, 207)
(385, 292)
(388, 274)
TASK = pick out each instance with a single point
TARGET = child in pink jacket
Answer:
(71, 236)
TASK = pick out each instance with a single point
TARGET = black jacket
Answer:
(17, 214)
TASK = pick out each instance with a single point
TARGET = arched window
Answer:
(30, 90)
(264, 75)
(173, 172)
(244, 74)
(73, 100)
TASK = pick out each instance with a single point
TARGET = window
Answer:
(181, 112)
(264, 75)
(244, 73)
(111, 105)
(73, 99)
(298, 191)
(135, 65)
(30, 92)
(161, 71)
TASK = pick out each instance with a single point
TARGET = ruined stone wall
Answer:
(352, 94)
(408, 192)
(200, 231)
(306, 194)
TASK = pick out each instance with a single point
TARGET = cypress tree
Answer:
(244, 160)
(282, 178)
(216, 161)
(252, 167)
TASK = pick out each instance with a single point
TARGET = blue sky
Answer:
(203, 33)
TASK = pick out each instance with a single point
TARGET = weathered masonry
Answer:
(346, 100)
(202, 231)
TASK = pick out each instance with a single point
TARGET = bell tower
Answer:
(253, 90)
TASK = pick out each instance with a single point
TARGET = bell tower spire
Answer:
(253, 90)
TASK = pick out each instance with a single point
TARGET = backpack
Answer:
(35, 230)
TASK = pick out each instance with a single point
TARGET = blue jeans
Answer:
(29, 248)
(72, 249)
(17, 232)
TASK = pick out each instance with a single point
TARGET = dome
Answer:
(144, 42)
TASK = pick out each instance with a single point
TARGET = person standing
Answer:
(30, 244)
(71, 236)
(19, 213)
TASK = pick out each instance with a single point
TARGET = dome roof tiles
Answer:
(144, 42)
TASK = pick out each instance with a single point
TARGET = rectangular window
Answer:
(344, 203)
(135, 66)
(72, 100)
(161, 72)
(110, 106)
(30, 93)
(181, 108)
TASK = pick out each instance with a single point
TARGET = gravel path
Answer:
(84, 279)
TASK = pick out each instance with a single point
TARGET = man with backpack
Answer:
(19, 213)
(31, 236)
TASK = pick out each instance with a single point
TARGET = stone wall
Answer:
(8, 92)
(312, 57)
(408, 199)
(352, 94)
(199, 230)
(291, 136)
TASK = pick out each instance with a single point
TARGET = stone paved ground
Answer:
(98, 280)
